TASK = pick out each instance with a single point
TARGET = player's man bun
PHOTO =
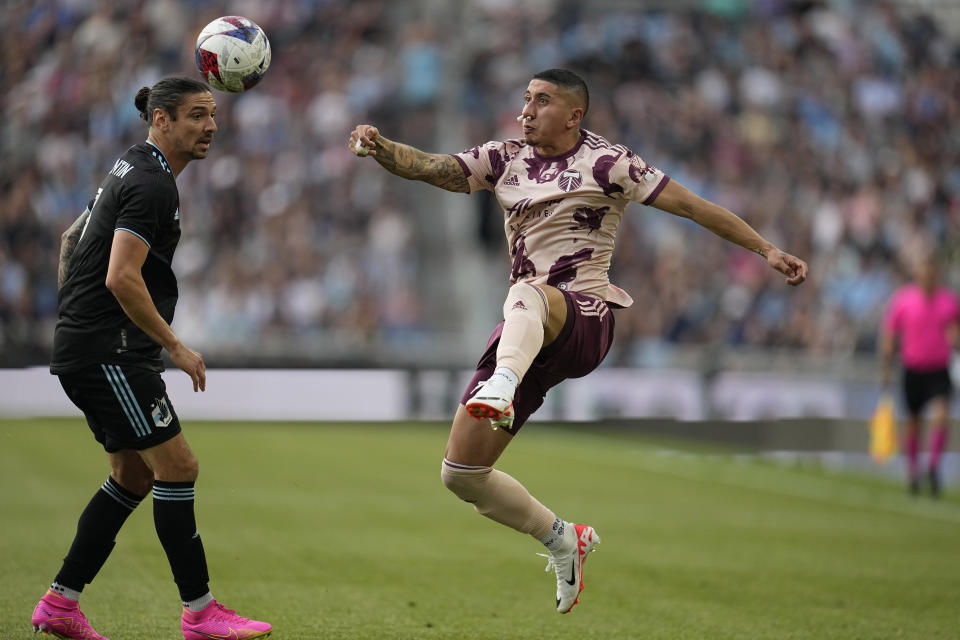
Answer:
(168, 94)
(143, 96)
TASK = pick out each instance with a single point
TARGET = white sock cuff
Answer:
(467, 468)
(200, 603)
(508, 374)
(66, 592)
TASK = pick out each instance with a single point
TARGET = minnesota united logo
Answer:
(570, 180)
(160, 412)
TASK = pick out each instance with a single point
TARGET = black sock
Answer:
(96, 534)
(177, 529)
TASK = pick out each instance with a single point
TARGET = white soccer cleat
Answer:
(493, 400)
(568, 565)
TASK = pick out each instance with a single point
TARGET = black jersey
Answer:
(138, 196)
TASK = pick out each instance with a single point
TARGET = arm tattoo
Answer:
(763, 254)
(68, 242)
(433, 168)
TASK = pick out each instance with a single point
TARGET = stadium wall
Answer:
(432, 394)
(796, 419)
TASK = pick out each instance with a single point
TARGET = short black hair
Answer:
(568, 80)
(167, 95)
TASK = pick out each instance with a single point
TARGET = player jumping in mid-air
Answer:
(563, 191)
(117, 297)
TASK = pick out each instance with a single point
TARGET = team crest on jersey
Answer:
(570, 180)
(160, 412)
(641, 172)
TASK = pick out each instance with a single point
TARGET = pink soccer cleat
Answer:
(216, 621)
(61, 618)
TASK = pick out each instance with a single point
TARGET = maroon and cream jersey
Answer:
(562, 212)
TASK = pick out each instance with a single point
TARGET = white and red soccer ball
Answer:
(233, 53)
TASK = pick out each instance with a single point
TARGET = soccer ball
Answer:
(233, 53)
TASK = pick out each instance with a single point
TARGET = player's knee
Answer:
(136, 482)
(465, 481)
(129, 471)
(190, 469)
(182, 469)
(526, 298)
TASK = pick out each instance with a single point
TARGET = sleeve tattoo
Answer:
(407, 162)
(68, 242)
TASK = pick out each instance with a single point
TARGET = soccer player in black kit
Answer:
(117, 298)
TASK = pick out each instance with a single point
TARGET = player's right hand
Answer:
(192, 363)
(363, 140)
(791, 266)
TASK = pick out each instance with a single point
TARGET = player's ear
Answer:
(576, 117)
(161, 120)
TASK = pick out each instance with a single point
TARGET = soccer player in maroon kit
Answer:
(563, 191)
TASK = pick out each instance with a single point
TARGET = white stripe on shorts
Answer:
(128, 402)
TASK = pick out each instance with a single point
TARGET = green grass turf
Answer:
(344, 531)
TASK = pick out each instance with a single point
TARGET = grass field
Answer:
(344, 531)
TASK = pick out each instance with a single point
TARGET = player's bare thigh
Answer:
(557, 314)
(473, 441)
(172, 460)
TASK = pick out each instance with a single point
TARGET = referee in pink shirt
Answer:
(922, 317)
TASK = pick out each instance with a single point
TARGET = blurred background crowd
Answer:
(832, 127)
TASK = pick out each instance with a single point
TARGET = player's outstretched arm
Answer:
(680, 201)
(68, 242)
(440, 170)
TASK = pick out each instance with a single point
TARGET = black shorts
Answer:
(126, 407)
(919, 387)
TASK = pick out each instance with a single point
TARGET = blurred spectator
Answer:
(832, 124)
(826, 123)
(283, 244)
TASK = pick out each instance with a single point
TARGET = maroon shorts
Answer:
(582, 345)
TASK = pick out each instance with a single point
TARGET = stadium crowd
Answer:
(832, 127)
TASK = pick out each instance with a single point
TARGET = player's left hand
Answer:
(191, 363)
(791, 266)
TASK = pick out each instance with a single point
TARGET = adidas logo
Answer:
(518, 305)
(512, 181)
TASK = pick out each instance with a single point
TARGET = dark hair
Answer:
(569, 81)
(167, 95)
